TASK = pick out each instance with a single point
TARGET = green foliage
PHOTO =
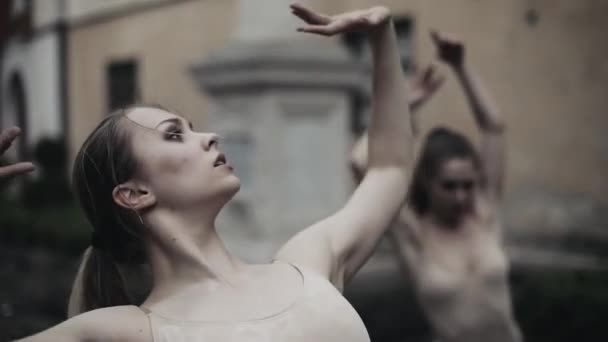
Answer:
(42, 211)
(63, 226)
(52, 187)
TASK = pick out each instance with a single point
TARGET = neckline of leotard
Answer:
(248, 320)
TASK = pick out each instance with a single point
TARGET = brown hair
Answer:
(104, 161)
(441, 145)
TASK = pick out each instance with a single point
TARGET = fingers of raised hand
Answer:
(443, 40)
(419, 77)
(7, 137)
(325, 30)
(337, 25)
(308, 15)
(436, 82)
(436, 37)
(16, 169)
(330, 25)
(431, 79)
(377, 15)
(425, 83)
(428, 73)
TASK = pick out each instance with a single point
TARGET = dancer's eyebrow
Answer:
(176, 121)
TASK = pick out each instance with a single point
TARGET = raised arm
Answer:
(421, 88)
(486, 113)
(340, 244)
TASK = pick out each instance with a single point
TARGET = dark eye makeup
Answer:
(174, 133)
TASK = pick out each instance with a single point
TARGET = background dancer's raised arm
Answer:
(487, 115)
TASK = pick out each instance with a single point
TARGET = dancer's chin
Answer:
(231, 185)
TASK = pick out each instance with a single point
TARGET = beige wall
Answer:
(166, 40)
(550, 81)
(81, 9)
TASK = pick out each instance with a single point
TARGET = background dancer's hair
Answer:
(441, 145)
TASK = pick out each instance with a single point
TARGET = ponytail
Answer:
(98, 283)
(104, 161)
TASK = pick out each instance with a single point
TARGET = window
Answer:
(20, 20)
(122, 86)
(20, 7)
(403, 28)
(355, 43)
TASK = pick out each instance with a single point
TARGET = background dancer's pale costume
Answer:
(462, 284)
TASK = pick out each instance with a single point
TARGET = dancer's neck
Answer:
(185, 250)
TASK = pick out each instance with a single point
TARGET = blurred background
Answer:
(289, 107)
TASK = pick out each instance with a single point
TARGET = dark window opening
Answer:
(122, 85)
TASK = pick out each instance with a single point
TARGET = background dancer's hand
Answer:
(326, 25)
(7, 137)
(450, 51)
(422, 85)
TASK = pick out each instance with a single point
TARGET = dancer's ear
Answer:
(134, 196)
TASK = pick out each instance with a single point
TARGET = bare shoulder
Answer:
(308, 248)
(119, 323)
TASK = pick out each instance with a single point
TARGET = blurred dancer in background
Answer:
(448, 234)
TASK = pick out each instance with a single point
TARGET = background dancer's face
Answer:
(181, 167)
(452, 190)
(447, 176)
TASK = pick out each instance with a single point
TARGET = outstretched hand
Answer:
(449, 50)
(326, 25)
(423, 85)
(6, 139)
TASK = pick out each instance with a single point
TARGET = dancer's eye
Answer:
(174, 133)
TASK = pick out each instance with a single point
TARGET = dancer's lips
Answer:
(220, 160)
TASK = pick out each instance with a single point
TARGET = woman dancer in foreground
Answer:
(449, 232)
(152, 187)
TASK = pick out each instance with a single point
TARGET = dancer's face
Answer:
(179, 166)
(452, 192)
